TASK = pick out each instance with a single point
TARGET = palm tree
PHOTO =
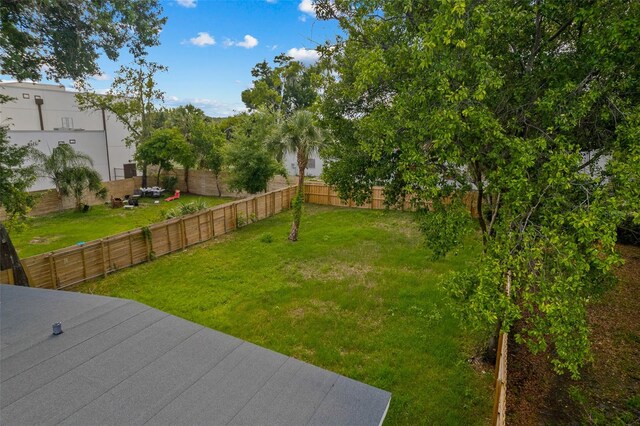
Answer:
(71, 172)
(299, 134)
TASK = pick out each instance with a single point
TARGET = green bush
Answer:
(185, 209)
(266, 238)
(629, 232)
(169, 182)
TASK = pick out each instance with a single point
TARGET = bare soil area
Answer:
(609, 391)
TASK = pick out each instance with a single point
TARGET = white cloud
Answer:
(304, 55)
(101, 77)
(237, 82)
(302, 18)
(249, 42)
(203, 39)
(187, 3)
(211, 107)
(272, 1)
(307, 6)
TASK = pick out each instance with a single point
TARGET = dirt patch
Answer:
(407, 228)
(609, 391)
(43, 240)
(334, 272)
(315, 306)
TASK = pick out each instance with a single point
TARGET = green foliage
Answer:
(517, 102)
(186, 208)
(169, 182)
(444, 226)
(164, 148)
(71, 172)
(287, 87)
(55, 231)
(251, 165)
(266, 238)
(355, 296)
(297, 207)
(131, 99)
(15, 177)
(67, 38)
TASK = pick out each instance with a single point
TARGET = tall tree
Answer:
(164, 148)
(131, 99)
(15, 176)
(299, 135)
(520, 102)
(284, 88)
(186, 118)
(71, 172)
(66, 38)
(250, 162)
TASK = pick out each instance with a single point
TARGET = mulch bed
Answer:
(609, 391)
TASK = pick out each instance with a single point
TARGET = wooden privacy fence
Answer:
(77, 264)
(320, 193)
(500, 396)
(73, 265)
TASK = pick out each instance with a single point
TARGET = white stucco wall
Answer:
(291, 164)
(63, 121)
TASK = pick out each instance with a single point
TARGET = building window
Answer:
(311, 164)
(25, 96)
(67, 123)
(72, 141)
(62, 143)
(37, 97)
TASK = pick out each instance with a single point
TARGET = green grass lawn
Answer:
(356, 295)
(55, 231)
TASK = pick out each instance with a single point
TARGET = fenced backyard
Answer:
(78, 264)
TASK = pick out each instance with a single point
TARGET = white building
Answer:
(314, 166)
(47, 115)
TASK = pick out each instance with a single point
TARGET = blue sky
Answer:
(210, 47)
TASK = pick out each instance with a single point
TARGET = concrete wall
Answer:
(291, 164)
(64, 122)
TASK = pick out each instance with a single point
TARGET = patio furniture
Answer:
(116, 202)
(152, 191)
(174, 196)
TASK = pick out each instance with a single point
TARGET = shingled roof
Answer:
(122, 362)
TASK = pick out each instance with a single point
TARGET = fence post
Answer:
(183, 235)
(84, 262)
(130, 248)
(54, 271)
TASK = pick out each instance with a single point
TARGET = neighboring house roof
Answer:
(121, 362)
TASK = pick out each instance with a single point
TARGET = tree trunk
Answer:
(9, 259)
(186, 179)
(297, 207)
(293, 235)
(144, 175)
(218, 185)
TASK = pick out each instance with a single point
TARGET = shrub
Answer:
(266, 238)
(186, 208)
(629, 232)
(169, 182)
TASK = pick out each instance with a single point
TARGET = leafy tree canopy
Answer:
(15, 177)
(71, 172)
(286, 87)
(164, 148)
(532, 104)
(250, 162)
(66, 38)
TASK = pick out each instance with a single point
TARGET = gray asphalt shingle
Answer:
(121, 362)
